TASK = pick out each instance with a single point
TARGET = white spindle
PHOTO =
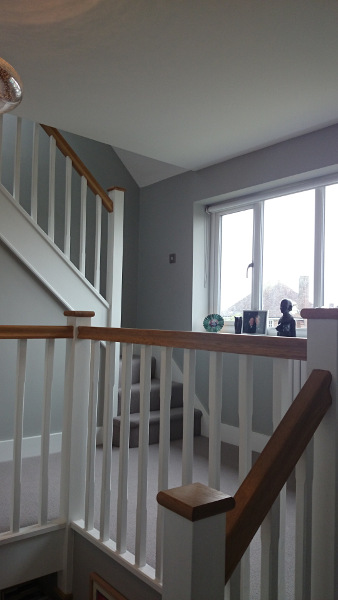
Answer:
(91, 441)
(68, 206)
(107, 441)
(273, 527)
(122, 499)
(1, 144)
(35, 165)
(188, 415)
(304, 476)
(141, 510)
(51, 202)
(83, 226)
(245, 411)
(215, 413)
(45, 434)
(17, 160)
(164, 447)
(18, 432)
(98, 243)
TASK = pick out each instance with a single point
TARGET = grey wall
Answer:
(89, 559)
(23, 301)
(169, 296)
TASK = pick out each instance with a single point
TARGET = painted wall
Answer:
(169, 296)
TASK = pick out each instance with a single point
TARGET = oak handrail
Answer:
(31, 332)
(271, 346)
(79, 166)
(270, 472)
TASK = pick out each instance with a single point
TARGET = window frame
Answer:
(256, 202)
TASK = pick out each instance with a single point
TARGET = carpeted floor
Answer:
(229, 484)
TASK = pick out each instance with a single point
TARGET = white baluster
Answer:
(215, 414)
(45, 434)
(273, 527)
(18, 432)
(164, 447)
(245, 411)
(141, 511)
(51, 202)
(107, 440)
(91, 442)
(17, 160)
(35, 164)
(188, 415)
(68, 206)
(122, 498)
(304, 476)
(83, 226)
(97, 265)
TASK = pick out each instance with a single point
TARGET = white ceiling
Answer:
(181, 84)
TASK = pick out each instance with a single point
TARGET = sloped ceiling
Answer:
(175, 85)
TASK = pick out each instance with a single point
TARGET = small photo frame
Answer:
(101, 590)
(255, 321)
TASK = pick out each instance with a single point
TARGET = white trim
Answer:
(232, 201)
(31, 446)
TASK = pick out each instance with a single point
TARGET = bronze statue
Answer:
(286, 325)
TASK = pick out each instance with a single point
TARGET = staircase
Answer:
(176, 409)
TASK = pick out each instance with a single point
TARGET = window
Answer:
(268, 249)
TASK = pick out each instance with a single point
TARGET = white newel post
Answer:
(194, 542)
(322, 353)
(114, 272)
(115, 257)
(74, 438)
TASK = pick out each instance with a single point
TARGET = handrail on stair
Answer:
(269, 474)
(79, 166)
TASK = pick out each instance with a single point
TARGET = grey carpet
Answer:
(229, 484)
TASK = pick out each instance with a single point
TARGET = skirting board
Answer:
(31, 446)
(229, 434)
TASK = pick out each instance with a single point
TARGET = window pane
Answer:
(236, 237)
(331, 247)
(288, 254)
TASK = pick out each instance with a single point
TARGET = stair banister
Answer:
(270, 472)
(79, 166)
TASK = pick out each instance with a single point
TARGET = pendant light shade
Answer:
(10, 87)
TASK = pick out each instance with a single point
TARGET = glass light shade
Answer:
(10, 87)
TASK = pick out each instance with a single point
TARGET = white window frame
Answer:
(256, 202)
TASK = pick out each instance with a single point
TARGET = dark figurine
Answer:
(238, 324)
(286, 324)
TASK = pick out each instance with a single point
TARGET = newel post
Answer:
(194, 542)
(74, 438)
(322, 353)
(115, 257)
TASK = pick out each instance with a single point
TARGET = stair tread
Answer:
(154, 415)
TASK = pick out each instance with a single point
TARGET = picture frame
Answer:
(101, 590)
(255, 321)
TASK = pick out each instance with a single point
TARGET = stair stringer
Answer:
(31, 245)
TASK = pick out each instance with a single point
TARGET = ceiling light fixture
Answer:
(10, 87)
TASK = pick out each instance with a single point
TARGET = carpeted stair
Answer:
(176, 409)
